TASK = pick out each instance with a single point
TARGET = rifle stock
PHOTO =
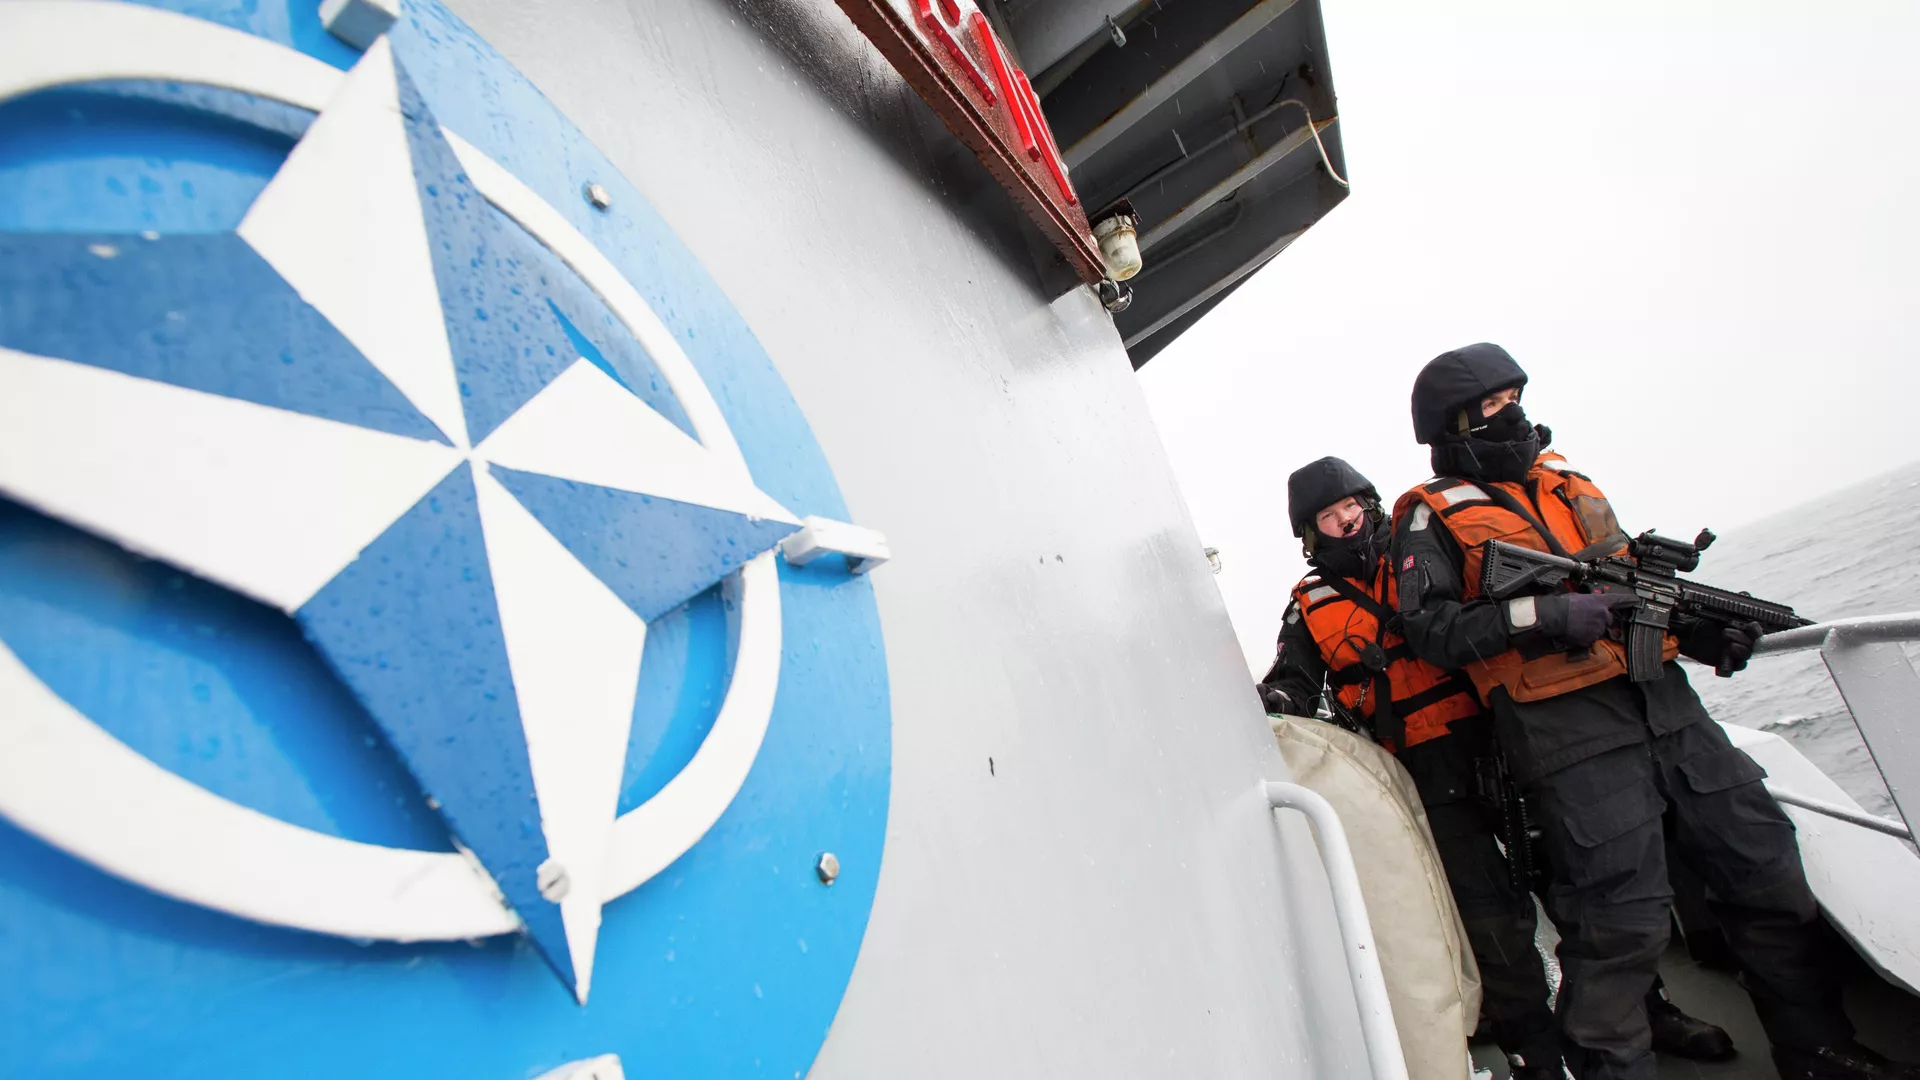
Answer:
(1509, 571)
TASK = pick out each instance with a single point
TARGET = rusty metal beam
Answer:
(1163, 89)
(1231, 183)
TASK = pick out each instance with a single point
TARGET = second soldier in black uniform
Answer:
(1340, 632)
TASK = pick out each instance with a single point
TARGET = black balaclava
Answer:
(1318, 485)
(1446, 416)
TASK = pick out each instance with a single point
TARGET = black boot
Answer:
(1676, 1033)
(1542, 1064)
(1848, 1061)
(1519, 1070)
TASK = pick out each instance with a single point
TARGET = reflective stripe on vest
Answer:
(1577, 518)
(1423, 699)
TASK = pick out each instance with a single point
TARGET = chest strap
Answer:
(1505, 500)
(1380, 612)
(1388, 725)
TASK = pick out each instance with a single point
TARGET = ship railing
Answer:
(1377, 1029)
(1869, 666)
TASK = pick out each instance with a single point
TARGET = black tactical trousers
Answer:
(1498, 916)
(1610, 897)
(1499, 920)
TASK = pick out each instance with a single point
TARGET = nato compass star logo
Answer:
(409, 404)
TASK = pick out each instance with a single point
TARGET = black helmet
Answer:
(1319, 484)
(1454, 379)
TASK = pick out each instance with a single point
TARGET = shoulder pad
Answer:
(1453, 491)
(1557, 464)
(1463, 492)
(1418, 517)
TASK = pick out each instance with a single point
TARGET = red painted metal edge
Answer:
(1064, 224)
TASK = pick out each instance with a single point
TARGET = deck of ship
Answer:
(1887, 1017)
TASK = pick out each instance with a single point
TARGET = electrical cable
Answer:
(1187, 156)
(1313, 130)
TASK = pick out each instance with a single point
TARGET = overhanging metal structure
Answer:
(1204, 115)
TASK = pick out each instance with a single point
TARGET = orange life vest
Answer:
(1556, 510)
(1345, 617)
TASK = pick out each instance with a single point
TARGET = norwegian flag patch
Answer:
(1406, 563)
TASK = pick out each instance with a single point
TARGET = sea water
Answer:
(1845, 554)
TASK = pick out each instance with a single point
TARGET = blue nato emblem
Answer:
(416, 583)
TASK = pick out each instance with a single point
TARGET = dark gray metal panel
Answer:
(1201, 124)
(1252, 51)
(1044, 31)
(1112, 896)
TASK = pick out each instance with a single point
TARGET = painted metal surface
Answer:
(1080, 878)
(1869, 666)
(1865, 880)
(1080, 875)
(328, 427)
(1882, 693)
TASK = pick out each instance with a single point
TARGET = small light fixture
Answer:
(1117, 231)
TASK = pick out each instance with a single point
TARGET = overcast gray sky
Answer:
(1696, 226)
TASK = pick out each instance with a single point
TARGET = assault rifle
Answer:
(1648, 570)
(1500, 796)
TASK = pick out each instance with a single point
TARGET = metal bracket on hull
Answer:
(864, 548)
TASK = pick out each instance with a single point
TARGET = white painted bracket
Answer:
(864, 548)
(358, 22)
(604, 1067)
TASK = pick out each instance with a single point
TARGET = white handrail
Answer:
(1839, 813)
(1870, 668)
(1904, 626)
(1356, 932)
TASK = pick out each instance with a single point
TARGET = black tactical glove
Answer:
(1718, 645)
(1577, 620)
(1274, 700)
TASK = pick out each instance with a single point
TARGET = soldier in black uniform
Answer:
(1438, 732)
(1605, 758)
(1339, 619)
